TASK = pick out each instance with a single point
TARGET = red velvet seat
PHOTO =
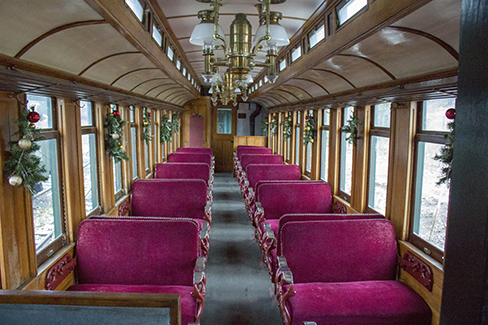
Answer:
(344, 273)
(172, 198)
(195, 150)
(255, 173)
(190, 157)
(247, 159)
(146, 256)
(251, 150)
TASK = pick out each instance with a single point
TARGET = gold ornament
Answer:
(24, 143)
(115, 136)
(32, 126)
(145, 123)
(15, 180)
(121, 146)
(307, 128)
(311, 140)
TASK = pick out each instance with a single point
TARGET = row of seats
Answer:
(326, 267)
(161, 246)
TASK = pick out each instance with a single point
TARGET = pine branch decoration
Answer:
(114, 137)
(24, 162)
(446, 156)
(273, 126)
(310, 130)
(264, 126)
(165, 130)
(147, 127)
(352, 128)
(287, 122)
(176, 123)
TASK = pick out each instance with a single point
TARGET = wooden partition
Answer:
(245, 140)
(62, 307)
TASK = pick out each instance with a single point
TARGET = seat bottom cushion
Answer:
(369, 302)
(188, 303)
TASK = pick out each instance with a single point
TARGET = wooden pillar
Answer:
(334, 149)
(465, 293)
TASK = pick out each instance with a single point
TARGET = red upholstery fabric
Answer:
(247, 159)
(190, 157)
(339, 250)
(261, 172)
(184, 198)
(183, 171)
(365, 303)
(133, 252)
(188, 303)
(195, 150)
(252, 150)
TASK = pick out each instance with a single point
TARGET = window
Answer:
(178, 64)
(378, 157)
(170, 53)
(315, 36)
(184, 74)
(89, 153)
(282, 65)
(224, 121)
(190, 78)
(430, 200)
(345, 181)
(324, 149)
(308, 155)
(133, 141)
(155, 139)
(146, 156)
(260, 83)
(348, 9)
(136, 8)
(156, 35)
(296, 53)
(117, 172)
(298, 140)
(46, 202)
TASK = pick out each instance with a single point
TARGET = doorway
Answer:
(224, 130)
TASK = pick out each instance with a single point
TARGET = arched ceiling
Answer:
(78, 41)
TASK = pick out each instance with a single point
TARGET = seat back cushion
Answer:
(339, 250)
(184, 198)
(253, 151)
(278, 199)
(247, 159)
(190, 157)
(137, 252)
(262, 172)
(195, 150)
(183, 171)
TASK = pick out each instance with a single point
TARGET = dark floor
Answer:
(238, 285)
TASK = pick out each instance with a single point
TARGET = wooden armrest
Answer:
(284, 270)
(199, 273)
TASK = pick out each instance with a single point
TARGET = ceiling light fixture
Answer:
(240, 51)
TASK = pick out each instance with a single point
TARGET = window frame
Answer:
(143, 20)
(341, 5)
(308, 155)
(324, 127)
(313, 32)
(296, 47)
(341, 193)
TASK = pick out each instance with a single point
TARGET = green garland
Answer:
(165, 130)
(352, 128)
(113, 136)
(310, 130)
(446, 156)
(176, 123)
(147, 126)
(287, 122)
(273, 126)
(24, 167)
(264, 126)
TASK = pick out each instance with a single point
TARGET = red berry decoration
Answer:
(451, 113)
(116, 113)
(149, 114)
(33, 117)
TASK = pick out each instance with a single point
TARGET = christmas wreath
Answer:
(165, 130)
(273, 126)
(147, 126)
(24, 165)
(352, 128)
(310, 130)
(287, 122)
(113, 136)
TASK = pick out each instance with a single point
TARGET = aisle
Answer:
(238, 285)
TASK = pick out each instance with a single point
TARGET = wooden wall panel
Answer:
(245, 140)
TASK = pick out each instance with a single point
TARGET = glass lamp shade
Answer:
(278, 34)
(203, 34)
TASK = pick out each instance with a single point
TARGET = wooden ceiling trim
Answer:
(273, 95)
(431, 37)
(388, 73)
(57, 30)
(314, 82)
(288, 92)
(175, 95)
(306, 92)
(273, 100)
(132, 71)
(149, 80)
(336, 74)
(165, 91)
(155, 87)
(105, 58)
(261, 101)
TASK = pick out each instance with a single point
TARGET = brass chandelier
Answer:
(240, 51)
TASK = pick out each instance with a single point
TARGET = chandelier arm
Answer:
(216, 34)
(267, 36)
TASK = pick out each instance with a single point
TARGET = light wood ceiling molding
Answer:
(315, 83)
(431, 37)
(129, 72)
(154, 88)
(300, 88)
(173, 97)
(105, 58)
(335, 74)
(165, 90)
(57, 30)
(149, 80)
(275, 93)
(274, 101)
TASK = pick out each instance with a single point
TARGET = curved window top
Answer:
(136, 8)
(349, 9)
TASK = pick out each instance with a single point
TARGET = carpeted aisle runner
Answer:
(238, 285)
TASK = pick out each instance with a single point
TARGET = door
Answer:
(224, 129)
